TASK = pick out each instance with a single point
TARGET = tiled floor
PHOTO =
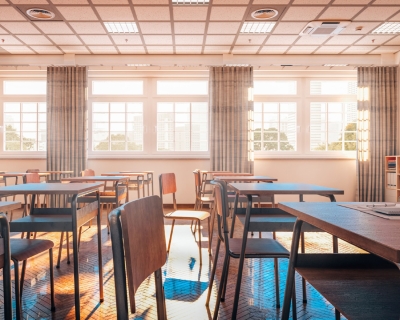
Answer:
(184, 280)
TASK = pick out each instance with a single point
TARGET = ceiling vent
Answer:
(264, 14)
(40, 14)
(324, 28)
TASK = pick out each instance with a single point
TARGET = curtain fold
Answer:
(377, 129)
(230, 112)
(66, 119)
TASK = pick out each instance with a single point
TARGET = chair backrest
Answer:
(87, 173)
(5, 264)
(222, 208)
(167, 183)
(140, 224)
(32, 170)
(32, 177)
(197, 183)
(3, 179)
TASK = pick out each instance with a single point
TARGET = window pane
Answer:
(188, 87)
(117, 87)
(24, 87)
(275, 87)
(335, 87)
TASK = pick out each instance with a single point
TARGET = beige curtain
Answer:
(377, 129)
(230, 142)
(66, 118)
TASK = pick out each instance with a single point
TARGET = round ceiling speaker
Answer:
(264, 14)
(40, 14)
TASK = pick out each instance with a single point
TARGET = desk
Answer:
(263, 189)
(360, 286)
(246, 178)
(61, 219)
(139, 178)
(205, 181)
(9, 205)
(147, 181)
(56, 172)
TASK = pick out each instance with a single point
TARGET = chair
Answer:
(200, 199)
(255, 248)
(21, 250)
(168, 186)
(31, 177)
(137, 233)
(87, 173)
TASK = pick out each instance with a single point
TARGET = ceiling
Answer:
(165, 28)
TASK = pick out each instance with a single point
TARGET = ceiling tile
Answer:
(74, 49)
(190, 13)
(77, 13)
(115, 13)
(20, 27)
(279, 40)
(9, 40)
(302, 13)
(386, 49)
(395, 18)
(374, 39)
(103, 49)
(271, 1)
(34, 40)
(254, 39)
(330, 49)
(3, 2)
(192, 39)
(122, 39)
(110, 2)
(302, 49)
(160, 50)
(155, 27)
(18, 49)
(157, 39)
(152, 13)
(2, 31)
(311, 40)
(340, 13)
(216, 49)
(352, 1)
(150, 1)
(30, 1)
(189, 27)
(311, 1)
(231, 2)
(289, 28)
(54, 27)
(341, 40)
(9, 13)
(376, 13)
(70, 1)
(131, 49)
(223, 27)
(188, 49)
(220, 40)
(394, 41)
(65, 40)
(103, 40)
(46, 49)
(386, 2)
(366, 27)
(245, 49)
(273, 49)
(358, 49)
(88, 27)
(227, 13)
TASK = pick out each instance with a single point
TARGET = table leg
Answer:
(291, 269)
(234, 214)
(242, 254)
(334, 239)
(76, 257)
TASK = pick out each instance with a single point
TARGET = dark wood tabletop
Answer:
(50, 188)
(9, 205)
(245, 178)
(22, 174)
(96, 178)
(125, 173)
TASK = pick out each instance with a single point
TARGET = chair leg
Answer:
(160, 297)
(221, 284)
(212, 223)
(53, 306)
(59, 250)
(18, 294)
(79, 237)
(201, 261)
(276, 272)
(209, 235)
(170, 235)
(22, 279)
(214, 268)
(67, 240)
(294, 305)
(226, 280)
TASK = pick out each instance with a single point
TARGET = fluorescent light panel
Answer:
(388, 27)
(193, 2)
(138, 65)
(335, 65)
(121, 27)
(257, 27)
(237, 65)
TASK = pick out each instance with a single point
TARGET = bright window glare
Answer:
(117, 87)
(275, 87)
(24, 87)
(333, 87)
(182, 87)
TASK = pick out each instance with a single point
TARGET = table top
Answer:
(245, 178)
(22, 174)
(96, 178)
(9, 205)
(56, 171)
(214, 171)
(283, 188)
(125, 173)
(371, 233)
(50, 188)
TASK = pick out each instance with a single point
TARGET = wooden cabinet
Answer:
(392, 182)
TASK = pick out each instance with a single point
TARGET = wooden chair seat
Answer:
(22, 249)
(258, 247)
(188, 214)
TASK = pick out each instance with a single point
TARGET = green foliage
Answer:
(117, 143)
(350, 136)
(271, 140)
(13, 140)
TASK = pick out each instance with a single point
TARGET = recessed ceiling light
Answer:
(264, 14)
(138, 65)
(121, 27)
(40, 14)
(257, 27)
(388, 27)
(194, 2)
(335, 65)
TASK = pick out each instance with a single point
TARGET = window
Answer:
(275, 87)
(333, 87)
(275, 126)
(117, 126)
(174, 87)
(24, 126)
(182, 126)
(117, 87)
(333, 126)
(24, 87)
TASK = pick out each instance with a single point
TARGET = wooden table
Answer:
(139, 178)
(262, 189)
(61, 219)
(56, 172)
(360, 286)
(9, 205)
(246, 178)
(150, 179)
(205, 181)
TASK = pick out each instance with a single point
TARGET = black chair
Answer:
(138, 241)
